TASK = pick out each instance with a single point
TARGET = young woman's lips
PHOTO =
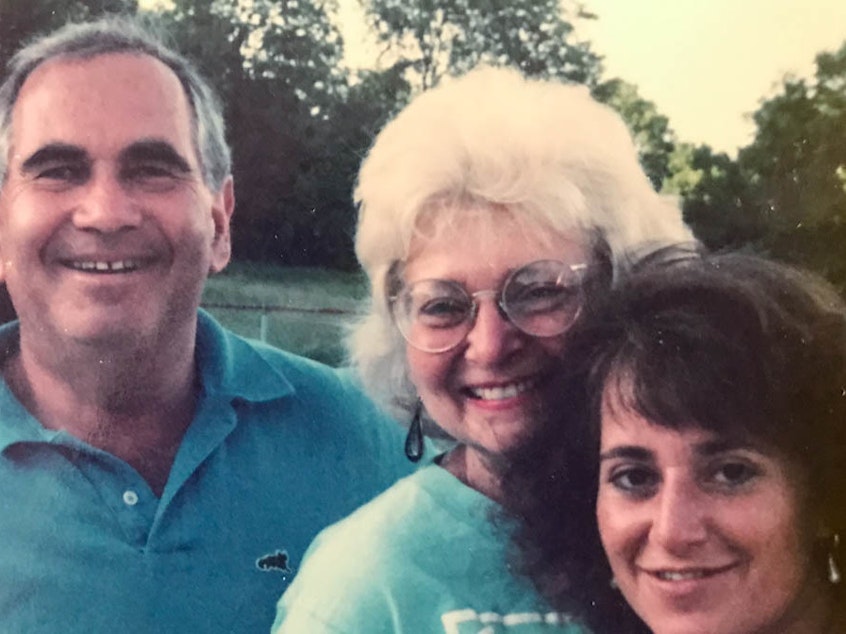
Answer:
(685, 580)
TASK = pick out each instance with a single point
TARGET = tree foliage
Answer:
(797, 167)
(20, 20)
(716, 198)
(651, 130)
(299, 123)
(277, 67)
(437, 37)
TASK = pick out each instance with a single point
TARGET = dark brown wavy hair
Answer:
(730, 343)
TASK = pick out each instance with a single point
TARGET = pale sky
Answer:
(705, 63)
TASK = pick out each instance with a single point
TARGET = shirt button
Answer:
(130, 497)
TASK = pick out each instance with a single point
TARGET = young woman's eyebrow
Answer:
(721, 445)
(53, 153)
(157, 151)
(631, 452)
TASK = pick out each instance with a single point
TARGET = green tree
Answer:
(436, 37)
(653, 137)
(276, 65)
(21, 20)
(716, 198)
(797, 166)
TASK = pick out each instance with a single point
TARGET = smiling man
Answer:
(157, 473)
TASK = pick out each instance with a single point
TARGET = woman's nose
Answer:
(492, 336)
(680, 520)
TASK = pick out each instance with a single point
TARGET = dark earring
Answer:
(834, 575)
(414, 440)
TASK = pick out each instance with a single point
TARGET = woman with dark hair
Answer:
(715, 402)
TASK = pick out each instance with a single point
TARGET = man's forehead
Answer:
(108, 99)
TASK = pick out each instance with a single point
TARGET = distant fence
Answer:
(282, 309)
(322, 340)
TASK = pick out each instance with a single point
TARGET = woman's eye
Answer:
(442, 312)
(636, 481)
(733, 474)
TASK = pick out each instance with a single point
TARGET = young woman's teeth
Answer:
(500, 393)
(668, 575)
(105, 267)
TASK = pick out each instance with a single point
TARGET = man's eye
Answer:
(634, 481)
(60, 174)
(156, 177)
(149, 171)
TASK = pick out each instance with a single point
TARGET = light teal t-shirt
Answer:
(422, 558)
(280, 448)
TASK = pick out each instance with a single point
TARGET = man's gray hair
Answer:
(115, 34)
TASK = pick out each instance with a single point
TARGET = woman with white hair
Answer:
(488, 208)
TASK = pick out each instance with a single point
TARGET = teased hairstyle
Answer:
(122, 35)
(734, 344)
(546, 153)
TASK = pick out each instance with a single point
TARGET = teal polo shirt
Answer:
(280, 447)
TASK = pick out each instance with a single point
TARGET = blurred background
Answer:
(758, 89)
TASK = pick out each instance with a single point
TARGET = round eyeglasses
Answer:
(541, 299)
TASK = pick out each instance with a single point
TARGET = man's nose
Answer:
(106, 206)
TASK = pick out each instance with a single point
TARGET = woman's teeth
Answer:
(500, 393)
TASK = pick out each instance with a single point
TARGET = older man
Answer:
(157, 473)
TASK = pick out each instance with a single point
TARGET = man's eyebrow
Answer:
(154, 150)
(631, 452)
(54, 153)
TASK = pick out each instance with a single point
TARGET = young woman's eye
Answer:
(734, 474)
(635, 481)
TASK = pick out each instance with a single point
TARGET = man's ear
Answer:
(222, 208)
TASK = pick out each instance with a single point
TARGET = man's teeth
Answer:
(101, 266)
(502, 392)
(668, 575)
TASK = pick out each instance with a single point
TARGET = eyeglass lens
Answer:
(541, 299)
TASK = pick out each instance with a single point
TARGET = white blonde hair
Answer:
(547, 152)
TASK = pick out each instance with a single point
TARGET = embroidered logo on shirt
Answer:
(277, 561)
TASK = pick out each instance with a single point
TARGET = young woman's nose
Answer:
(680, 519)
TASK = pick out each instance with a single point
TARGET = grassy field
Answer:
(291, 308)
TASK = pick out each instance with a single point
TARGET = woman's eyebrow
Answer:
(722, 445)
(632, 452)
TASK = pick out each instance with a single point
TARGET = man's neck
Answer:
(134, 404)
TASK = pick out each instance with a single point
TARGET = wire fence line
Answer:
(282, 309)
(315, 332)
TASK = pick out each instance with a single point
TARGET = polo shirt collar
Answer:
(221, 358)
(17, 424)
